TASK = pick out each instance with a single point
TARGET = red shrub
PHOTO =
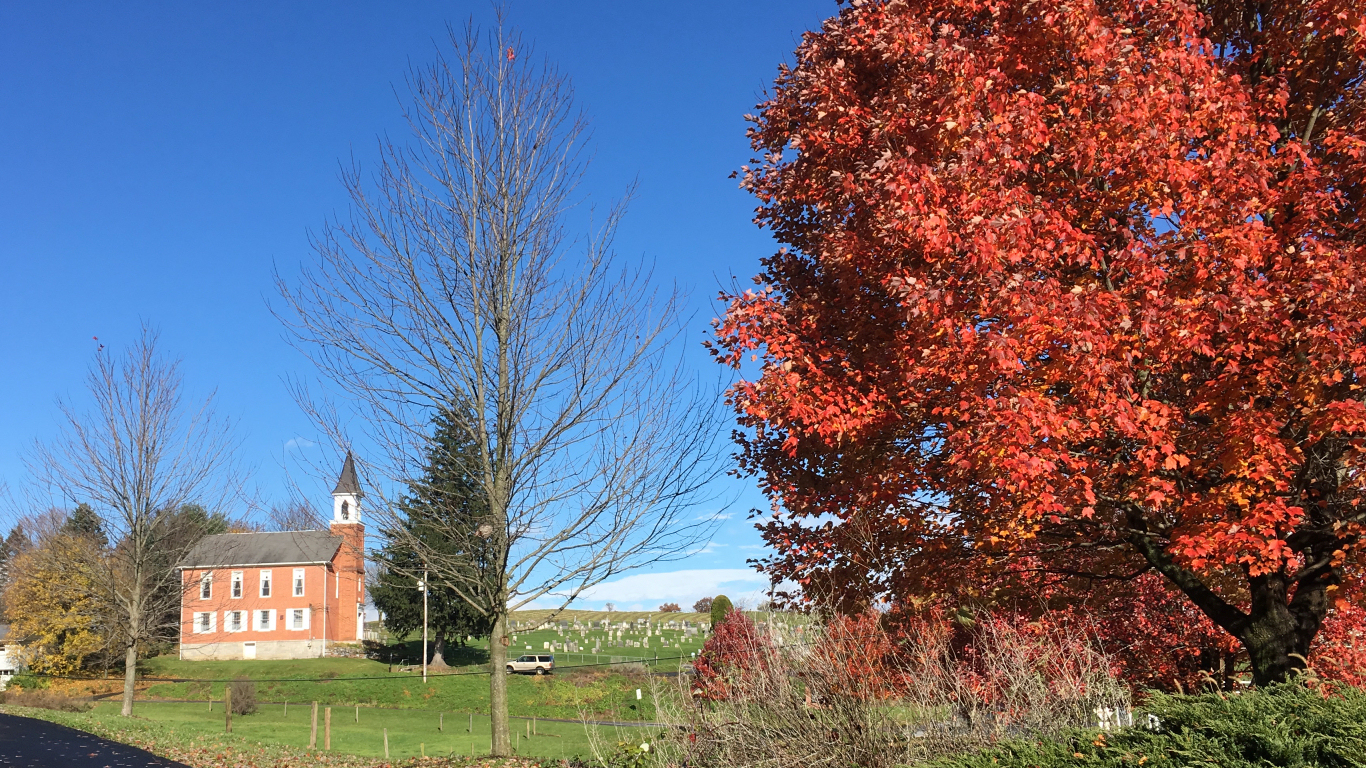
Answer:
(735, 649)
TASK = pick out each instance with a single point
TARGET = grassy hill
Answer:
(586, 617)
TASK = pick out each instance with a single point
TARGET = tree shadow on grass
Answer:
(409, 653)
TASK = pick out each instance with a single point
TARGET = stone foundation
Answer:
(265, 649)
(345, 650)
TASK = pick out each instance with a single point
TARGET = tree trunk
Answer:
(1278, 630)
(439, 653)
(130, 673)
(498, 689)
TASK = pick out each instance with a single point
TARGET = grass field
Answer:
(597, 693)
(663, 648)
(371, 697)
(612, 616)
(360, 731)
(269, 739)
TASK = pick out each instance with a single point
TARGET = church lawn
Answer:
(269, 739)
(566, 695)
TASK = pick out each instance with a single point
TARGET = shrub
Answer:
(243, 696)
(45, 700)
(1283, 725)
(30, 682)
(728, 658)
(853, 693)
(720, 609)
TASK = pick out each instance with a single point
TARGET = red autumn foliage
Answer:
(866, 655)
(1157, 638)
(1071, 282)
(1006, 663)
(735, 649)
(1340, 654)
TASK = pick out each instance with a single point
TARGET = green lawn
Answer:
(601, 686)
(568, 694)
(270, 740)
(359, 732)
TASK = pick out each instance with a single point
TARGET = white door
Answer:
(248, 650)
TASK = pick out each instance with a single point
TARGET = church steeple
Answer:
(347, 495)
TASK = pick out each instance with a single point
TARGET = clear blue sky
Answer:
(157, 159)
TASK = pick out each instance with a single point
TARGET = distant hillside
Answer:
(586, 617)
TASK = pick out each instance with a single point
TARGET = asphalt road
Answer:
(29, 743)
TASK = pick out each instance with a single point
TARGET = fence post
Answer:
(358, 713)
(227, 706)
(441, 722)
(313, 730)
(327, 729)
(386, 743)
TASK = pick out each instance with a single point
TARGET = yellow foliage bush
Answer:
(52, 607)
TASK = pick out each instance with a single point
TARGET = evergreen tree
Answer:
(444, 493)
(84, 522)
(720, 608)
(16, 542)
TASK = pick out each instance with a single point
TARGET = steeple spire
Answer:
(347, 482)
(347, 495)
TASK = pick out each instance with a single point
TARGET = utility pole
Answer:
(422, 585)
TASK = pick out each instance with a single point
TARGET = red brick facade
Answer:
(277, 595)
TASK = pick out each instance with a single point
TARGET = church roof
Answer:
(275, 548)
(348, 483)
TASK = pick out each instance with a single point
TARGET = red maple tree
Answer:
(1072, 281)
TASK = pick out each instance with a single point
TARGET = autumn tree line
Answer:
(51, 565)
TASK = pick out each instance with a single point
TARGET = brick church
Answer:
(279, 595)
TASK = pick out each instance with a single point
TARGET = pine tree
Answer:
(17, 541)
(445, 492)
(84, 522)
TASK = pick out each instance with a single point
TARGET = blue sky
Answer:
(160, 159)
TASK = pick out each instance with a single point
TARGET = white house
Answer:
(9, 662)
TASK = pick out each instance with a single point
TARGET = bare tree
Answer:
(295, 515)
(453, 292)
(137, 457)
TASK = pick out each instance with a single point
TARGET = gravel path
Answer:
(29, 743)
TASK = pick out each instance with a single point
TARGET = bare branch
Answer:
(453, 290)
(137, 457)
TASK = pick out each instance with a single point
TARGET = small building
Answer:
(9, 657)
(278, 595)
